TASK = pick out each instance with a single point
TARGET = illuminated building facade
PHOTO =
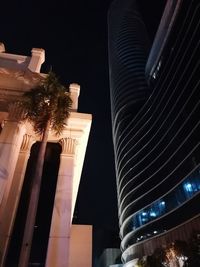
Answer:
(155, 105)
(17, 75)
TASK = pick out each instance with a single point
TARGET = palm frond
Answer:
(49, 101)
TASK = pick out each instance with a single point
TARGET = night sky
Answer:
(74, 36)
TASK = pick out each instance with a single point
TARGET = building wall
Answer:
(80, 252)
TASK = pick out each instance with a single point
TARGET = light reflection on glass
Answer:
(183, 192)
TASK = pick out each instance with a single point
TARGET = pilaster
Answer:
(10, 141)
(7, 216)
(58, 246)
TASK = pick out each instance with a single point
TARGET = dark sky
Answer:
(74, 36)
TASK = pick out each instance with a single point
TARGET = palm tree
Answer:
(46, 107)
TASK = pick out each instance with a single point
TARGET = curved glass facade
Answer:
(185, 191)
(156, 122)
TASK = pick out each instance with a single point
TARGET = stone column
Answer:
(8, 216)
(10, 143)
(58, 246)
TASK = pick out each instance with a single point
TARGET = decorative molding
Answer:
(68, 145)
(74, 89)
(37, 59)
(15, 112)
(2, 48)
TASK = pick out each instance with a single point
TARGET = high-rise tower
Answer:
(155, 104)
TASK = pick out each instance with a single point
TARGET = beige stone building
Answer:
(17, 75)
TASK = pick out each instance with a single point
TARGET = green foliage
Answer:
(48, 102)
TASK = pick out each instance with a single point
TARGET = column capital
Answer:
(68, 146)
(27, 142)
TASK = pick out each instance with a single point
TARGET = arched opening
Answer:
(44, 211)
